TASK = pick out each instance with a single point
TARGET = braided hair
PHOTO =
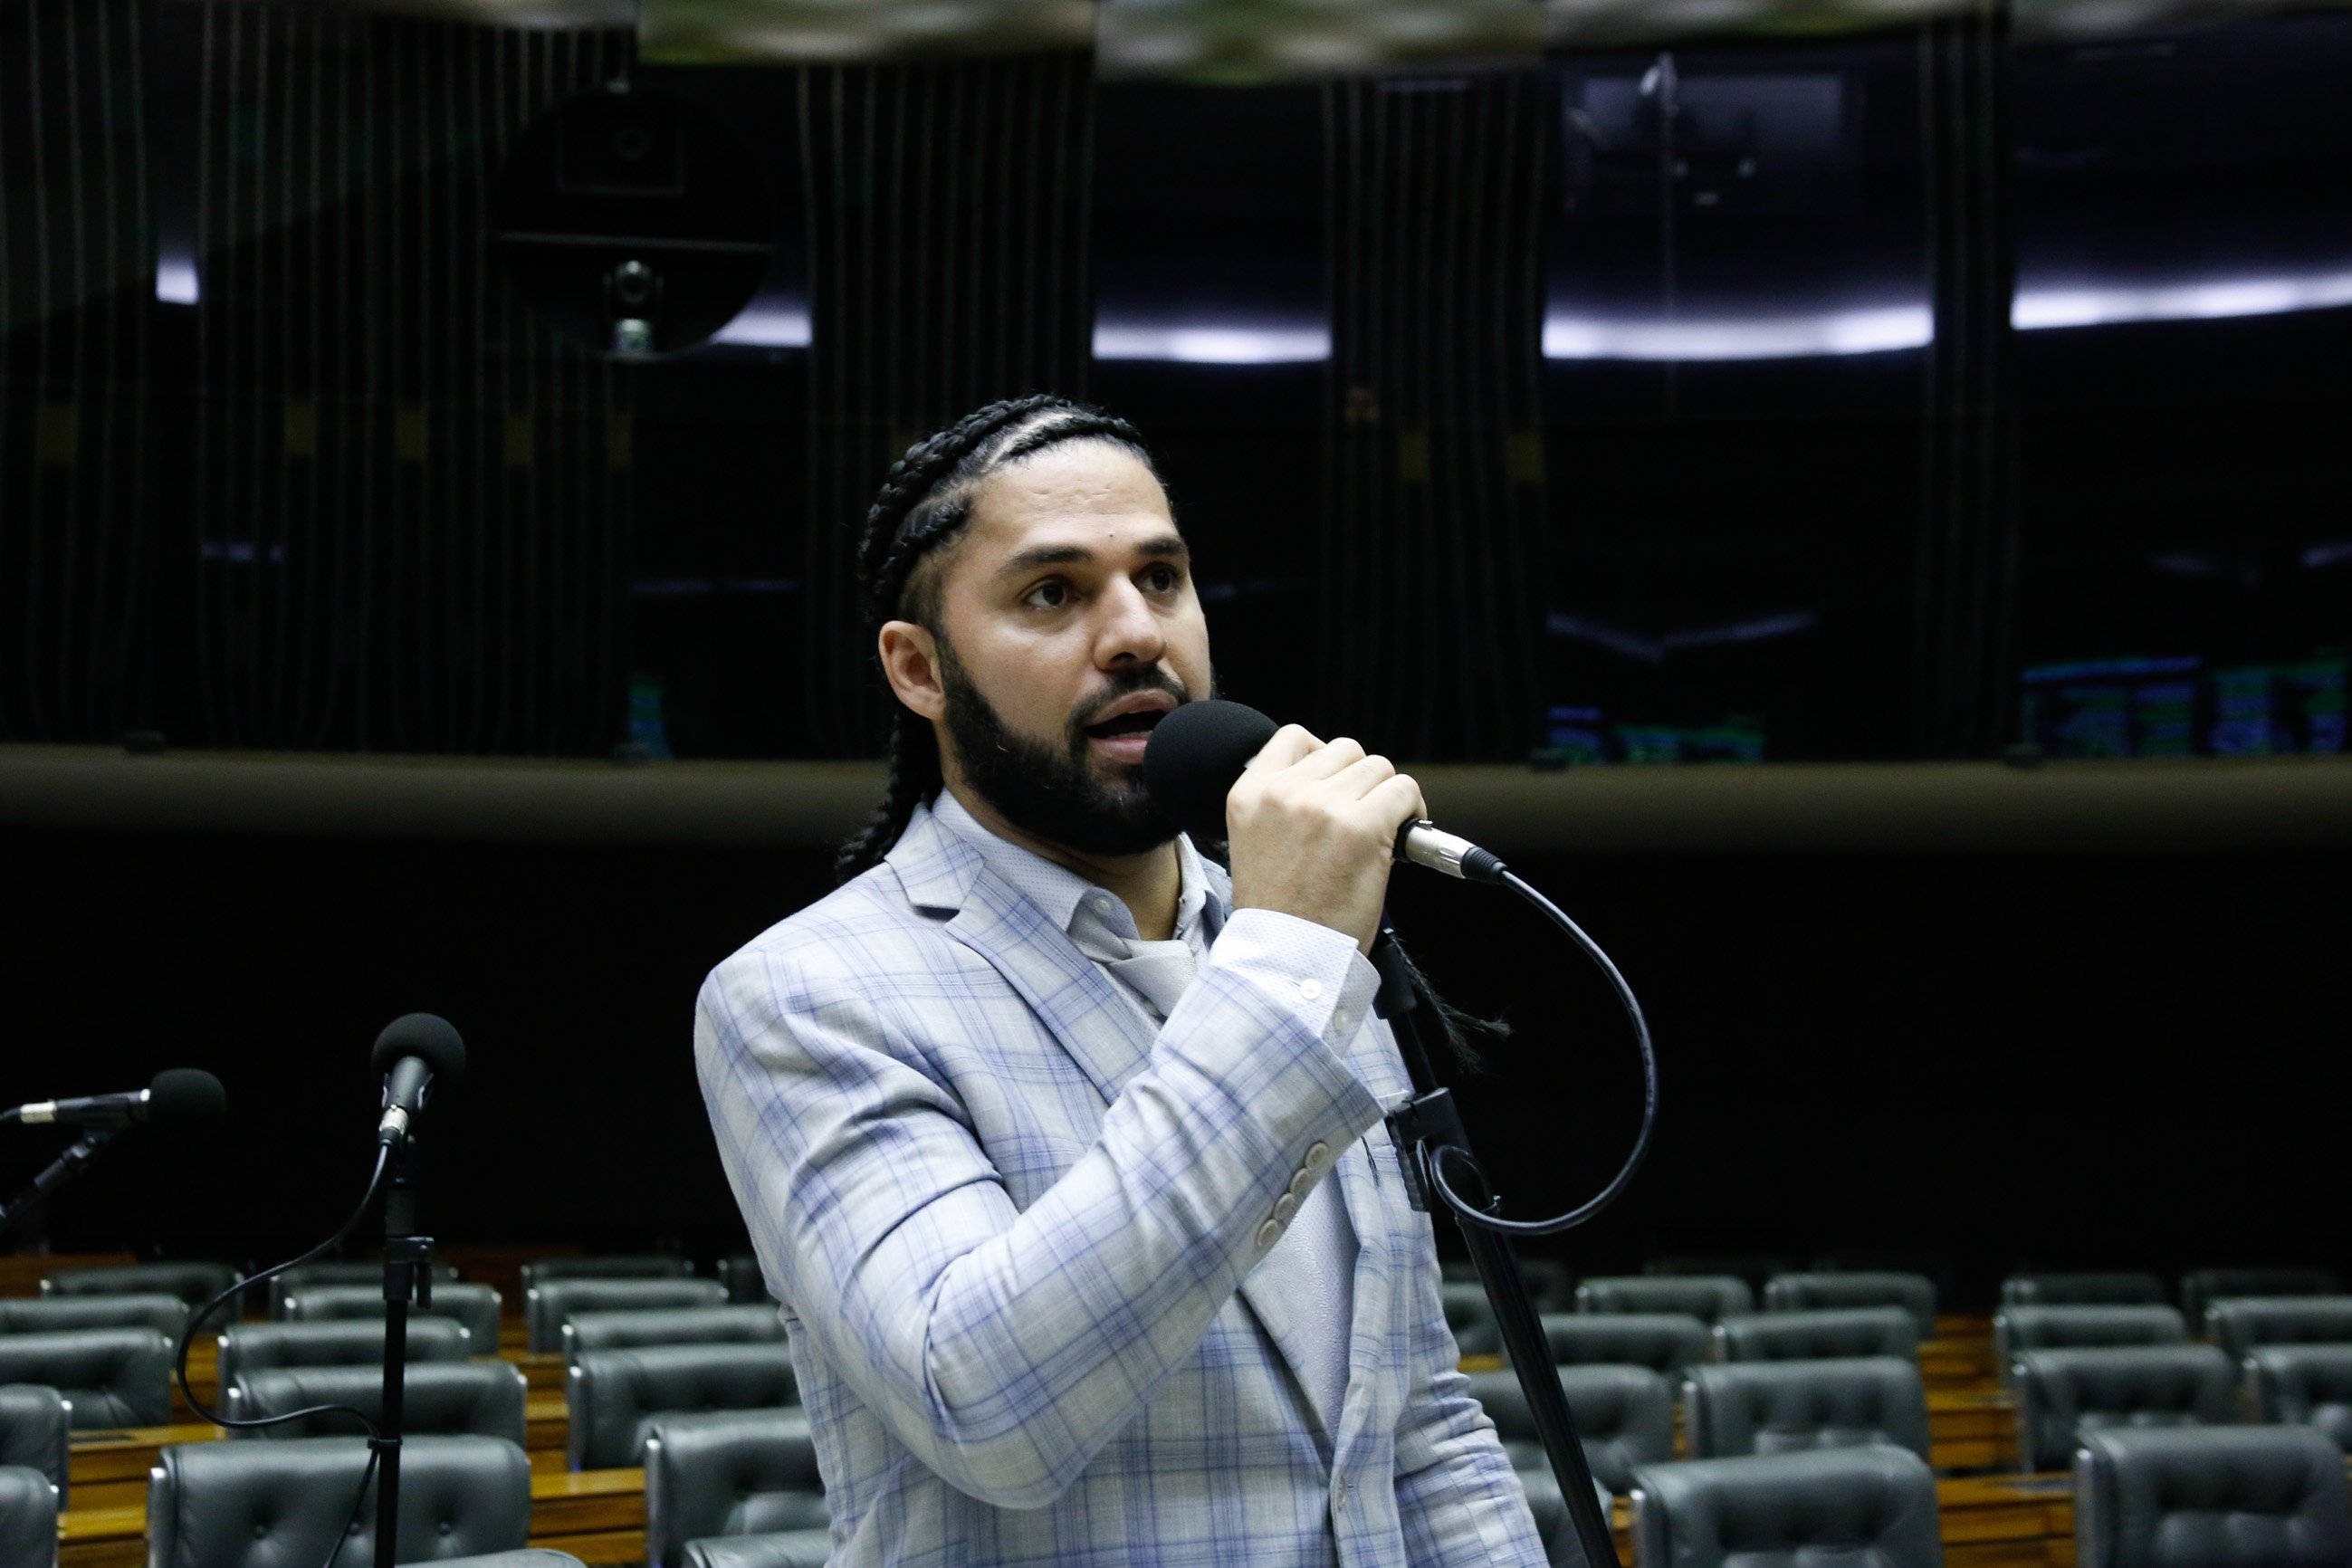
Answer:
(924, 503)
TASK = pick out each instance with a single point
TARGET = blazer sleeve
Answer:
(1005, 1347)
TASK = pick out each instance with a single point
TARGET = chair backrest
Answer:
(35, 1432)
(612, 1394)
(740, 1272)
(751, 1322)
(110, 1378)
(777, 1549)
(193, 1283)
(2062, 1395)
(29, 1518)
(467, 1398)
(1624, 1417)
(1751, 1267)
(1476, 1329)
(55, 1314)
(1709, 1298)
(1861, 1507)
(1835, 1335)
(2018, 1329)
(2084, 1289)
(1785, 1407)
(264, 1505)
(2200, 1288)
(2240, 1325)
(547, 1308)
(1663, 1341)
(727, 1472)
(349, 1341)
(2305, 1385)
(2211, 1497)
(475, 1306)
(621, 1266)
(1914, 1293)
(308, 1274)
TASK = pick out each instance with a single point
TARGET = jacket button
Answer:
(1284, 1207)
(1268, 1235)
(1298, 1184)
(1318, 1154)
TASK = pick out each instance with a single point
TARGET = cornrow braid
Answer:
(925, 499)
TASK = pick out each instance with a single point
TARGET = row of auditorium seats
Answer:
(628, 1371)
(2246, 1496)
(1713, 1297)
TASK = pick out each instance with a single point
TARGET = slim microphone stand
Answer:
(407, 1276)
(56, 1174)
(1427, 1129)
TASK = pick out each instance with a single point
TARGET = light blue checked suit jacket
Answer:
(1013, 1233)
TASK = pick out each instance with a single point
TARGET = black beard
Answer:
(1050, 794)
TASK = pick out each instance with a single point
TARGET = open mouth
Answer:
(1141, 723)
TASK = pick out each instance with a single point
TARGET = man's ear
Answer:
(911, 659)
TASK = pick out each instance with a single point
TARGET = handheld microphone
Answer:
(415, 1053)
(1197, 752)
(178, 1096)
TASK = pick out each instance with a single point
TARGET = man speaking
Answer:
(1062, 1150)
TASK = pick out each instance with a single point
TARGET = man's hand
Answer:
(1313, 825)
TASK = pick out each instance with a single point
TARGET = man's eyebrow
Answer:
(1161, 547)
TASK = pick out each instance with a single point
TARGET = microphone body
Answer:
(177, 1095)
(1197, 752)
(416, 1052)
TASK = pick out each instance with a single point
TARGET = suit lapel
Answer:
(1107, 1035)
(1103, 1031)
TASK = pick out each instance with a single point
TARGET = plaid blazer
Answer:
(1013, 1232)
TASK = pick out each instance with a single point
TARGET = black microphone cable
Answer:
(196, 1321)
(1484, 1215)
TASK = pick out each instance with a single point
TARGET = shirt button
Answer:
(1284, 1207)
(1268, 1235)
(1310, 989)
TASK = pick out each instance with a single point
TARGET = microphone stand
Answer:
(407, 1276)
(56, 1174)
(1427, 1129)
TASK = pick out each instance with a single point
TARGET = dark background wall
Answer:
(2065, 1059)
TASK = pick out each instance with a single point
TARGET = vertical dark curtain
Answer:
(408, 496)
(1434, 509)
(947, 229)
(1965, 594)
(76, 297)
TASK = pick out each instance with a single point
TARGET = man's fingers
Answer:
(1330, 760)
(1290, 742)
(1357, 779)
(1398, 798)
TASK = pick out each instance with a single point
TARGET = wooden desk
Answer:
(108, 1469)
(542, 1373)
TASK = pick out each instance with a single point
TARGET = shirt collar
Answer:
(1060, 892)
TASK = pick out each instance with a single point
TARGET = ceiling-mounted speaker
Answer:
(633, 223)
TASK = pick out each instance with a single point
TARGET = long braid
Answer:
(925, 499)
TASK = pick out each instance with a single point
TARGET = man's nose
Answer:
(1130, 628)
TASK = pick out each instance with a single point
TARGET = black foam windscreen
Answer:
(1195, 755)
(428, 1037)
(185, 1097)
